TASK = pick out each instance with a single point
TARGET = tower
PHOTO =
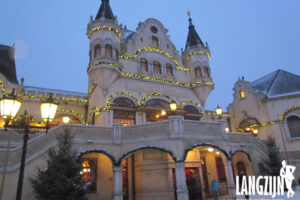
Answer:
(104, 68)
(196, 57)
(105, 37)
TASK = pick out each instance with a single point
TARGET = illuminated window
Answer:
(154, 42)
(88, 174)
(108, 51)
(97, 51)
(293, 123)
(242, 93)
(144, 65)
(206, 71)
(121, 116)
(169, 69)
(124, 117)
(156, 67)
(198, 72)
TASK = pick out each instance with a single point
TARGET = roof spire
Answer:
(105, 11)
(193, 37)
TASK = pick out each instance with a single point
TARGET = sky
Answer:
(249, 38)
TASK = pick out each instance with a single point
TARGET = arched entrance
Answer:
(97, 175)
(203, 165)
(148, 174)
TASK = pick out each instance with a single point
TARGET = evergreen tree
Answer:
(271, 166)
(61, 180)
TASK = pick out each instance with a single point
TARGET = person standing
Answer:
(215, 189)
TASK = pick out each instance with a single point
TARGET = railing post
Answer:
(182, 192)
(176, 126)
(117, 192)
(117, 128)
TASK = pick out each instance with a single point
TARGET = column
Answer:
(117, 192)
(231, 185)
(182, 192)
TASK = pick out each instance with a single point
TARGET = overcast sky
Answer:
(249, 38)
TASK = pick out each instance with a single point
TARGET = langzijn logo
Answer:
(267, 185)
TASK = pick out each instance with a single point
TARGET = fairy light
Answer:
(188, 56)
(107, 28)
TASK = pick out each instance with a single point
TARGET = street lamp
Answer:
(173, 106)
(9, 108)
(219, 111)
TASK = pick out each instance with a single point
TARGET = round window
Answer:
(153, 29)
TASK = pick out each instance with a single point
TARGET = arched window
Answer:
(144, 65)
(293, 123)
(169, 69)
(156, 67)
(97, 51)
(155, 108)
(242, 93)
(108, 51)
(198, 72)
(154, 42)
(117, 54)
(191, 113)
(121, 116)
(241, 169)
(206, 71)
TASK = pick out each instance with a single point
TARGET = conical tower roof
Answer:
(105, 11)
(193, 37)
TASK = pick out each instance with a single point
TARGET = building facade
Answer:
(131, 144)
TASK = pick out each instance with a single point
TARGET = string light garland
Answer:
(107, 28)
(105, 63)
(151, 49)
(93, 86)
(188, 56)
(191, 102)
(142, 102)
(144, 77)
(289, 110)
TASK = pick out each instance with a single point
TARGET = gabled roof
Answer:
(276, 84)
(7, 63)
(193, 37)
(105, 11)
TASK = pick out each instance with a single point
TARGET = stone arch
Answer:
(72, 113)
(241, 151)
(100, 151)
(134, 100)
(204, 145)
(242, 157)
(152, 96)
(124, 156)
(121, 94)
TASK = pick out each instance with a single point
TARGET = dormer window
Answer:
(156, 67)
(144, 65)
(198, 72)
(154, 42)
(108, 51)
(97, 51)
(242, 93)
(169, 69)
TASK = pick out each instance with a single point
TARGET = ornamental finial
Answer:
(189, 13)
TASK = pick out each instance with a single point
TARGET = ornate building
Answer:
(131, 144)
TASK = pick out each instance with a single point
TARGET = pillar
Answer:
(182, 192)
(117, 191)
(231, 186)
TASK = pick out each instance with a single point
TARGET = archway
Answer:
(148, 174)
(203, 165)
(97, 174)
(242, 164)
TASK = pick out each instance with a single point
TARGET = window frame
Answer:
(108, 50)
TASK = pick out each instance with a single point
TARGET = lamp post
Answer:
(173, 106)
(219, 111)
(9, 108)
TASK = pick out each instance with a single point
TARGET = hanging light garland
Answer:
(191, 102)
(188, 56)
(151, 49)
(76, 113)
(91, 89)
(105, 63)
(107, 28)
